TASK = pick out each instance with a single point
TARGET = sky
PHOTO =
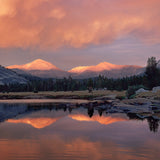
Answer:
(70, 33)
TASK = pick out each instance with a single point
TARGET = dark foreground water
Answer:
(47, 131)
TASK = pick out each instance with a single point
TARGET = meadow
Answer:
(61, 94)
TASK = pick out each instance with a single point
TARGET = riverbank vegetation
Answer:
(61, 94)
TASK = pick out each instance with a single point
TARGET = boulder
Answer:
(103, 107)
(137, 101)
(141, 90)
(155, 89)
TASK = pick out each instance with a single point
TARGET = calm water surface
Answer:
(47, 131)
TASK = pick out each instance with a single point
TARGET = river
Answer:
(47, 131)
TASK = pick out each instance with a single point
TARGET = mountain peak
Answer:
(39, 60)
(108, 66)
(97, 68)
(37, 64)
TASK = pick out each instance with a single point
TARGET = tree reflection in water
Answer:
(153, 124)
(100, 112)
(90, 111)
(70, 110)
(152, 121)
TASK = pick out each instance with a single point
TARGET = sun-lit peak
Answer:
(108, 66)
(38, 60)
(37, 64)
(97, 68)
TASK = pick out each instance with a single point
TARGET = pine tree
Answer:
(152, 73)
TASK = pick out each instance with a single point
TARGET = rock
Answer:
(103, 107)
(157, 111)
(155, 89)
(137, 101)
(140, 116)
(154, 108)
(109, 101)
(155, 102)
(141, 90)
(136, 116)
(115, 102)
(155, 117)
(126, 110)
(114, 111)
(132, 115)
(122, 105)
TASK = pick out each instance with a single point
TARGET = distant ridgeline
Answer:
(11, 81)
(8, 76)
(44, 69)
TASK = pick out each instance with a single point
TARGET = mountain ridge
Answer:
(44, 69)
(8, 76)
(100, 67)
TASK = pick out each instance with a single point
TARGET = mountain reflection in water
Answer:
(49, 131)
(35, 122)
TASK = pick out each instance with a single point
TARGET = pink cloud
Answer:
(76, 23)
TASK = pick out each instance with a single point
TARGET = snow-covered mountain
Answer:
(40, 68)
(45, 69)
(107, 69)
(98, 68)
(37, 64)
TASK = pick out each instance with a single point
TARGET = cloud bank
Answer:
(76, 23)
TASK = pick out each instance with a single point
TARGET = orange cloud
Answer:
(76, 23)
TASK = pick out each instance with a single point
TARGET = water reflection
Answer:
(45, 115)
(35, 122)
(153, 124)
(51, 131)
(23, 113)
(90, 111)
(100, 112)
(96, 118)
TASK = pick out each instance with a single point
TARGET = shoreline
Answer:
(61, 95)
(140, 108)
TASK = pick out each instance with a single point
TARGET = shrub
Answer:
(132, 90)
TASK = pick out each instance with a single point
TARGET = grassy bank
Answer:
(149, 95)
(69, 94)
